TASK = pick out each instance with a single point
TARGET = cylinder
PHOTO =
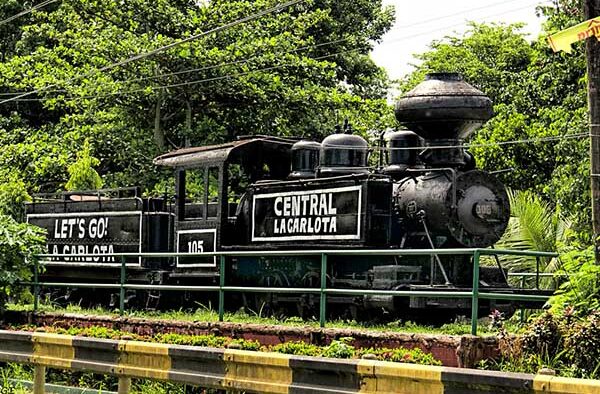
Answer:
(305, 159)
(343, 154)
(401, 152)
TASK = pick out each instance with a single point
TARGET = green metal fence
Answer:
(323, 291)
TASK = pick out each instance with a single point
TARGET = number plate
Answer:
(196, 241)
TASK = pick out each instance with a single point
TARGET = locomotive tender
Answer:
(270, 193)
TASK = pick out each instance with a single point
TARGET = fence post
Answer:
(124, 385)
(475, 293)
(323, 300)
(122, 286)
(537, 272)
(221, 285)
(522, 312)
(36, 286)
(39, 379)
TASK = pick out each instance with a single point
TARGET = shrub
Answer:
(402, 355)
(339, 348)
(13, 195)
(20, 244)
(297, 348)
(544, 336)
(82, 173)
(558, 342)
(583, 345)
(582, 290)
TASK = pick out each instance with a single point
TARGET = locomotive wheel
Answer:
(266, 304)
(308, 307)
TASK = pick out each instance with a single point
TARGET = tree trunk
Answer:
(591, 9)
(188, 123)
(159, 135)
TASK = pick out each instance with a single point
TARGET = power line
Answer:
(187, 83)
(27, 11)
(424, 21)
(466, 146)
(395, 40)
(144, 55)
(242, 61)
(16, 96)
(204, 68)
(195, 82)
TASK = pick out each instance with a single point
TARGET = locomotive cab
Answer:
(210, 183)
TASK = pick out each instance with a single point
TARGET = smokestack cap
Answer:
(444, 107)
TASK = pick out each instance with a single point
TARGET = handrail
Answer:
(330, 252)
(541, 274)
(323, 291)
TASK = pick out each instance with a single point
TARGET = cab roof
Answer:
(247, 150)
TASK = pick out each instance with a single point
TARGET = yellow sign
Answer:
(562, 40)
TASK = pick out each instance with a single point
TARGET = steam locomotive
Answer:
(271, 193)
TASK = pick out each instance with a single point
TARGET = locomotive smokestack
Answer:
(444, 110)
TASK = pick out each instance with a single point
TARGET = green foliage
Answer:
(583, 345)
(298, 348)
(582, 290)
(563, 342)
(13, 195)
(13, 371)
(82, 174)
(295, 72)
(534, 224)
(402, 355)
(19, 245)
(543, 336)
(341, 348)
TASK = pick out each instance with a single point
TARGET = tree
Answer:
(19, 242)
(298, 71)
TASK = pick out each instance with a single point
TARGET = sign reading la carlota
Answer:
(562, 40)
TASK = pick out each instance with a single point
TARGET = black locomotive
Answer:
(269, 193)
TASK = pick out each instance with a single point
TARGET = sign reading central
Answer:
(324, 214)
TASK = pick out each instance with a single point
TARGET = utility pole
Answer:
(591, 8)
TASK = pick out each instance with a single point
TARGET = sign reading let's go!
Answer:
(323, 214)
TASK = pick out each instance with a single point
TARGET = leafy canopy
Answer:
(83, 176)
(296, 72)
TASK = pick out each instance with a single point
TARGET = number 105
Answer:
(195, 246)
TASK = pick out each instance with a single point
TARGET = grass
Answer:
(205, 314)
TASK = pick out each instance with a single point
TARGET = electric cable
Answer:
(163, 48)
(204, 68)
(27, 11)
(187, 83)
(424, 21)
(466, 146)
(395, 40)
(15, 96)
